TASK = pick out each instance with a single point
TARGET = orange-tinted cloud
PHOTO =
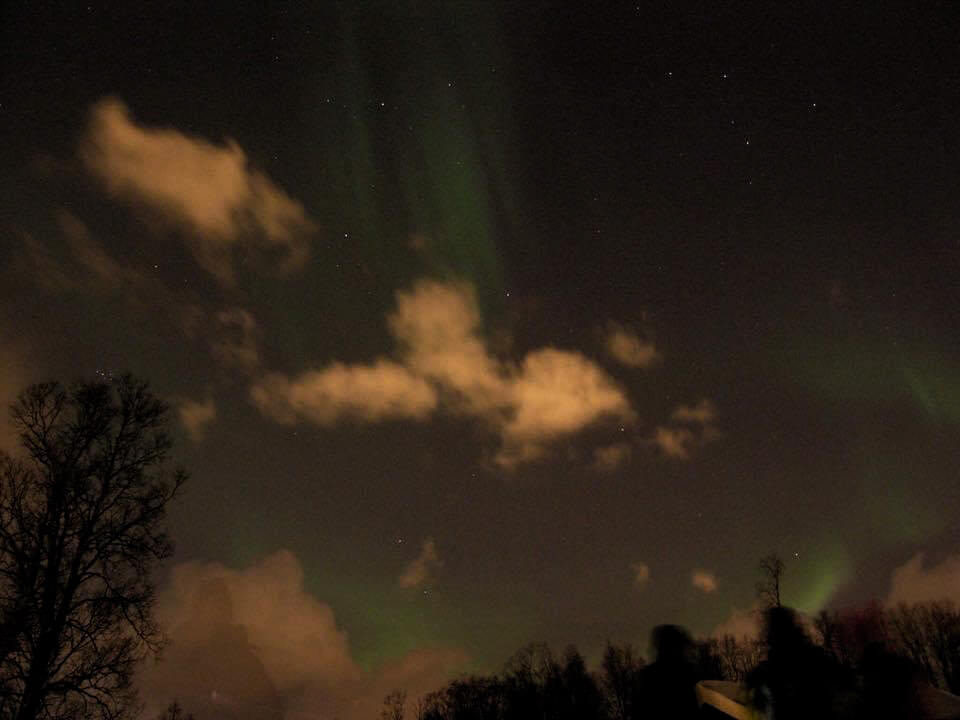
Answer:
(207, 188)
(610, 457)
(253, 643)
(912, 582)
(422, 568)
(641, 574)
(740, 624)
(702, 413)
(704, 580)
(628, 348)
(443, 360)
(691, 426)
(196, 416)
(674, 442)
(557, 393)
(383, 390)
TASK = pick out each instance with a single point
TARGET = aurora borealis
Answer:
(490, 323)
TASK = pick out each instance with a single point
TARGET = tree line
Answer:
(867, 663)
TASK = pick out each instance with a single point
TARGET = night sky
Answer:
(489, 323)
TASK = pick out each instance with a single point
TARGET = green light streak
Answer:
(810, 585)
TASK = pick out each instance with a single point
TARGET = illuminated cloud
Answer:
(196, 415)
(83, 264)
(914, 583)
(557, 393)
(551, 394)
(206, 188)
(641, 574)
(254, 643)
(740, 624)
(383, 390)
(674, 442)
(445, 361)
(629, 349)
(704, 580)
(691, 426)
(422, 568)
(437, 327)
(610, 457)
(90, 255)
(702, 413)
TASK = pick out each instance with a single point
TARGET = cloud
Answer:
(740, 624)
(610, 457)
(557, 393)
(674, 442)
(94, 267)
(253, 643)
(196, 416)
(37, 262)
(691, 426)
(236, 340)
(437, 328)
(629, 349)
(702, 413)
(444, 362)
(913, 583)
(422, 568)
(553, 393)
(641, 574)
(205, 188)
(383, 390)
(704, 580)
(81, 263)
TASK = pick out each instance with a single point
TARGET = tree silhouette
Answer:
(81, 531)
(771, 574)
(393, 705)
(929, 635)
(175, 712)
(620, 680)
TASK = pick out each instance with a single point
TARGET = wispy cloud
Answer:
(628, 348)
(704, 580)
(207, 188)
(610, 457)
(674, 442)
(690, 427)
(702, 413)
(641, 574)
(740, 624)
(422, 568)
(196, 416)
(915, 582)
(235, 339)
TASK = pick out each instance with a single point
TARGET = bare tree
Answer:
(81, 532)
(737, 658)
(929, 634)
(175, 712)
(393, 705)
(771, 574)
(620, 679)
